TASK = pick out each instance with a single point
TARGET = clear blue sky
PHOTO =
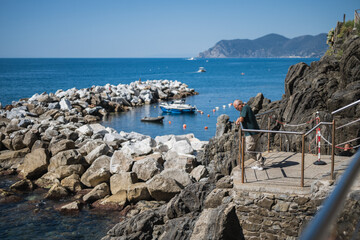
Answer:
(154, 28)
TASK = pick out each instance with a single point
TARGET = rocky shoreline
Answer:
(52, 141)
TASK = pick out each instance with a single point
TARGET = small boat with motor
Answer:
(201, 69)
(177, 106)
(158, 119)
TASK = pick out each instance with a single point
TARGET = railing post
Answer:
(302, 159)
(243, 160)
(240, 133)
(333, 150)
(268, 135)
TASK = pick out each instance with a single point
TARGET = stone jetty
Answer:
(52, 141)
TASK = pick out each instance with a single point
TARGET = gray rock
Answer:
(218, 223)
(222, 125)
(54, 105)
(24, 123)
(137, 192)
(97, 152)
(178, 175)
(121, 181)
(162, 188)
(72, 183)
(180, 161)
(147, 168)
(139, 227)
(35, 164)
(63, 158)
(56, 192)
(61, 145)
(199, 172)
(121, 162)
(97, 173)
(99, 192)
(30, 137)
(65, 104)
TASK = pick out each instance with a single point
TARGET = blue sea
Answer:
(223, 81)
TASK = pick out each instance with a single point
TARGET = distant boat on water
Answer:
(177, 106)
(158, 119)
(201, 69)
(191, 59)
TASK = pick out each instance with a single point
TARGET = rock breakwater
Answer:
(52, 142)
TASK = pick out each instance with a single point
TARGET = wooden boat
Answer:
(157, 119)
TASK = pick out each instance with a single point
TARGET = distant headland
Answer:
(269, 46)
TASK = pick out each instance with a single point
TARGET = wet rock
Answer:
(121, 181)
(56, 192)
(99, 192)
(72, 207)
(35, 164)
(23, 185)
(162, 188)
(97, 173)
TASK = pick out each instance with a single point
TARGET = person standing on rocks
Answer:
(248, 119)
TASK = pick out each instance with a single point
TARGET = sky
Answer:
(154, 28)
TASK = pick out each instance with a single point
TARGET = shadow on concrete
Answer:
(283, 164)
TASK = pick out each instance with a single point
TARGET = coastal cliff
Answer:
(269, 46)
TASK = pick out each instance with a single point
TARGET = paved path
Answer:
(282, 173)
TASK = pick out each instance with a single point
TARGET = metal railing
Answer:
(319, 227)
(241, 158)
(242, 147)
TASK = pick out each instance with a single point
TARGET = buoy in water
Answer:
(169, 122)
(201, 112)
(242, 73)
(208, 115)
(184, 126)
(214, 110)
(224, 106)
(217, 108)
(206, 128)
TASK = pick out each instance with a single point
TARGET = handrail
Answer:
(271, 131)
(302, 144)
(345, 107)
(318, 228)
(316, 126)
(347, 124)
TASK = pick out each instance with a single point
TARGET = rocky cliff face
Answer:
(271, 45)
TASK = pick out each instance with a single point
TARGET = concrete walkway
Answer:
(282, 173)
